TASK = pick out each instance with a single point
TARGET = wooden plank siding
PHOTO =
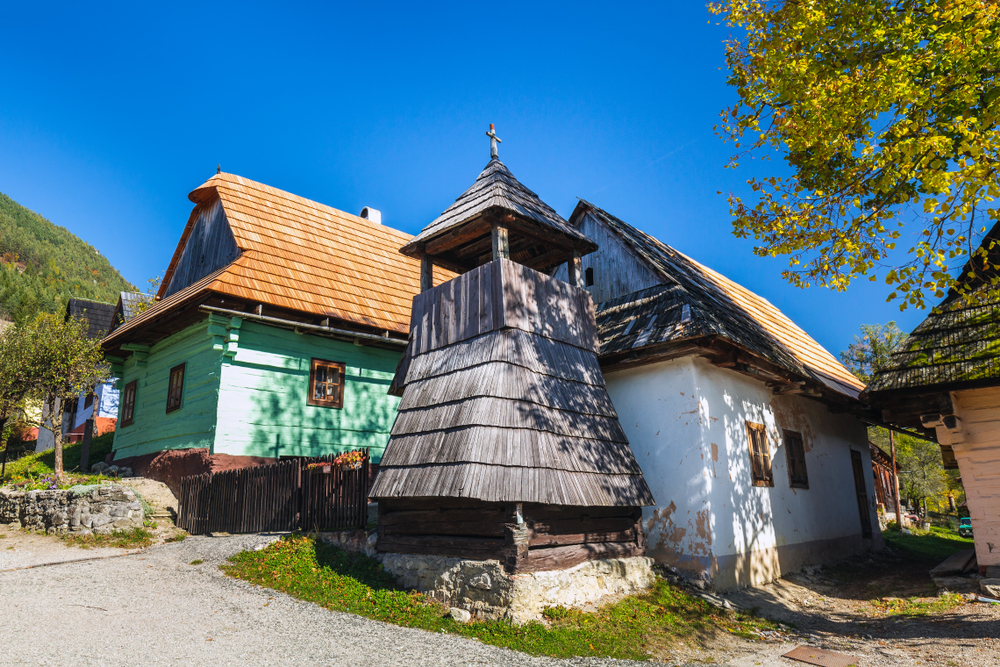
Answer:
(262, 401)
(210, 247)
(254, 403)
(191, 426)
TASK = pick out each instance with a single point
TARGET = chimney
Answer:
(372, 215)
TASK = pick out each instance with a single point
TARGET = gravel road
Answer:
(155, 608)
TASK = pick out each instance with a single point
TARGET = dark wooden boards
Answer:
(276, 497)
(550, 537)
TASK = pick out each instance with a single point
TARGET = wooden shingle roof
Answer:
(303, 256)
(958, 344)
(504, 400)
(97, 314)
(498, 195)
(694, 301)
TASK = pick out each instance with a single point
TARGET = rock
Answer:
(125, 472)
(481, 581)
(373, 540)
(992, 572)
(954, 584)
(990, 587)
(460, 615)
(99, 467)
(112, 470)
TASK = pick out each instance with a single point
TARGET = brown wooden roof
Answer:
(460, 236)
(504, 400)
(302, 256)
(696, 300)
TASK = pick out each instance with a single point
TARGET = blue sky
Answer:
(110, 115)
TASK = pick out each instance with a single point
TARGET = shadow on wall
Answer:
(282, 423)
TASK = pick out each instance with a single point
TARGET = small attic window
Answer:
(589, 276)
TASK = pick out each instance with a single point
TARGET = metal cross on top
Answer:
(494, 140)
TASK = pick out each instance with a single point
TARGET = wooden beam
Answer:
(574, 268)
(426, 273)
(501, 245)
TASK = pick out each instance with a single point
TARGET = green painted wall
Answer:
(193, 425)
(262, 407)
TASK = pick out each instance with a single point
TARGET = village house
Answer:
(275, 332)
(943, 383)
(743, 425)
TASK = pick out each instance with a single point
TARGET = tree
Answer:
(885, 112)
(63, 363)
(922, 475)
(16, 382)
(871, 350)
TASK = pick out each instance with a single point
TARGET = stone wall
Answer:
(486, 590)
(80, 510)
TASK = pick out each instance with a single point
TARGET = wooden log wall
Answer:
(552, 537)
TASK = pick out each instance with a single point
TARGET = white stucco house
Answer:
(744, 426)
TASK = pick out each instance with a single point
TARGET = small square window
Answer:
(326, 383)
(760, 456)
(589, 276)
(128, 403)
(796, 452)
(175, 389)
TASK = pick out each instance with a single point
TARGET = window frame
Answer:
(765, 476)
(337, 402)
(174, 407)
(790, 437)
(128, 406)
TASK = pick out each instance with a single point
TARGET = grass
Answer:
(932, 546)
(179, 537)
(43, 463)
(137, 538)
(914, 607)
(197, 561)
(634, 628)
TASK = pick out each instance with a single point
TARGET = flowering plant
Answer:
(347, 459)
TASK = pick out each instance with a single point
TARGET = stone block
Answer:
(990, 587)
(460, 615)
(955, 584)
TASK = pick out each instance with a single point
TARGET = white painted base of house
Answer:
(486, 590)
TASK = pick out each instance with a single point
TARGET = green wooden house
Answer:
(276, 332)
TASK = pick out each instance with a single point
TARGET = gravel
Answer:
(155, 608)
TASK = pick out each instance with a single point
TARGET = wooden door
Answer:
(859, 487)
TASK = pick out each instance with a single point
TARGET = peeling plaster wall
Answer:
(686, 422)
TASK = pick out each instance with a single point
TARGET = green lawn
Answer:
(634, 628)
(931, 547)
(42, 464)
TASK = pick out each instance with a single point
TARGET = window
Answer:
(175, 390)
(760, 457)
(326, 384)
(798, 478)
(89, 401)
(128, 403)
(589, 276)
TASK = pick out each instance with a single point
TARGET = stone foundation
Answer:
(486, 590)
(81, 510)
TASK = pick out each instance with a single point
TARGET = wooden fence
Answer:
(276, 497)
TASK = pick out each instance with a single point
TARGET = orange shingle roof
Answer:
(301, 255)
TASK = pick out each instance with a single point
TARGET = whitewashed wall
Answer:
(686, 422)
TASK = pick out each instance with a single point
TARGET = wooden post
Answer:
(88, 433)
(895, 478)
(516, 539)
(574, 268)
(501, 248)
(426, 273)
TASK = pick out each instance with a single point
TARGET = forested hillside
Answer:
(42, 265)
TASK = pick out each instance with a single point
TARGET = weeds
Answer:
(634, 628)
(197, 561)
(179, 537)
(137, 538)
